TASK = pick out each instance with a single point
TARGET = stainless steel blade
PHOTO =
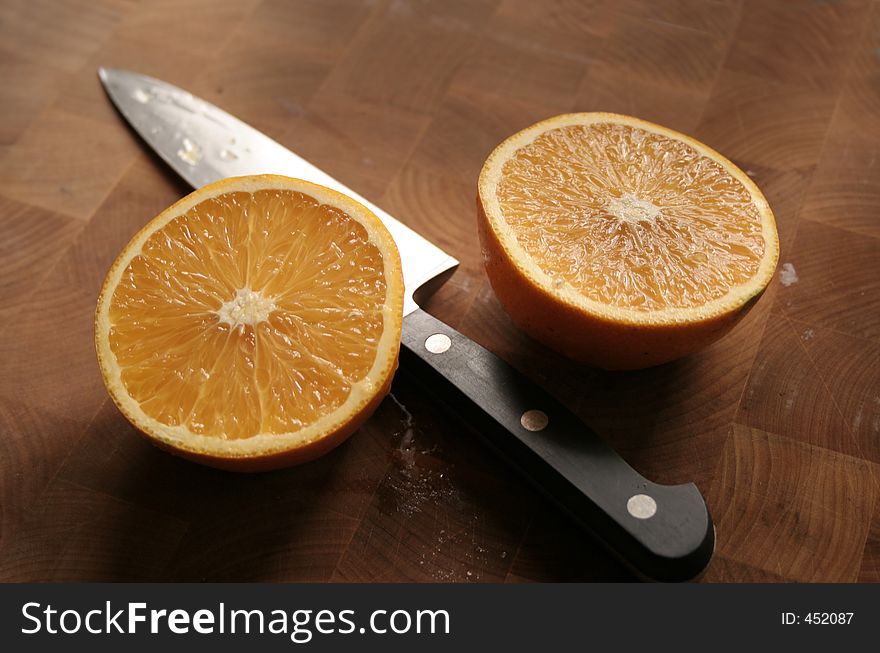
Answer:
(203, 143)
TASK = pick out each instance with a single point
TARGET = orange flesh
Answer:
(233, 328)
(631, 218)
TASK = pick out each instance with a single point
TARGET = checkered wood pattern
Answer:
(778, 424)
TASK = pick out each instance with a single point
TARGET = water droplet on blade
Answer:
(141, 95)
(228, 155)
(190, 152)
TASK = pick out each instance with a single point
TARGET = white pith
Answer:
(248, 307)
(630, 208)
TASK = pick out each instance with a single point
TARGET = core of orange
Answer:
(254, 324)
(620, 243)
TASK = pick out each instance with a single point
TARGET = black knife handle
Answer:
(662, 532)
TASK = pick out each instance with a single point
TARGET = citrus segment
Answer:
(645, 242)
(255, 323)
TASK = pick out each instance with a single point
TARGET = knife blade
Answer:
(661, 532)
(203, 143)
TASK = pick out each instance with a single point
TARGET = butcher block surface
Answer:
(778, 423)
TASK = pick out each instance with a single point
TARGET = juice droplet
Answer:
(228, 155)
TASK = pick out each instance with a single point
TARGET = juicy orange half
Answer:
(253, 324)
(619, 242)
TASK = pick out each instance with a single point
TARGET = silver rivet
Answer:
(641, 506)
(438, 343)
(534, 420)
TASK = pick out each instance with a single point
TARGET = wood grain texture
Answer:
(778, 423)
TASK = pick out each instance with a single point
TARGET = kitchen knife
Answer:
(661, 532)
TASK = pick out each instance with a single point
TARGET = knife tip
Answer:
(105, 73)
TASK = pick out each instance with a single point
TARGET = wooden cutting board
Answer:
(778, 424)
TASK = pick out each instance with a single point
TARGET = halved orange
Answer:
(621, 243)
(254, 324)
